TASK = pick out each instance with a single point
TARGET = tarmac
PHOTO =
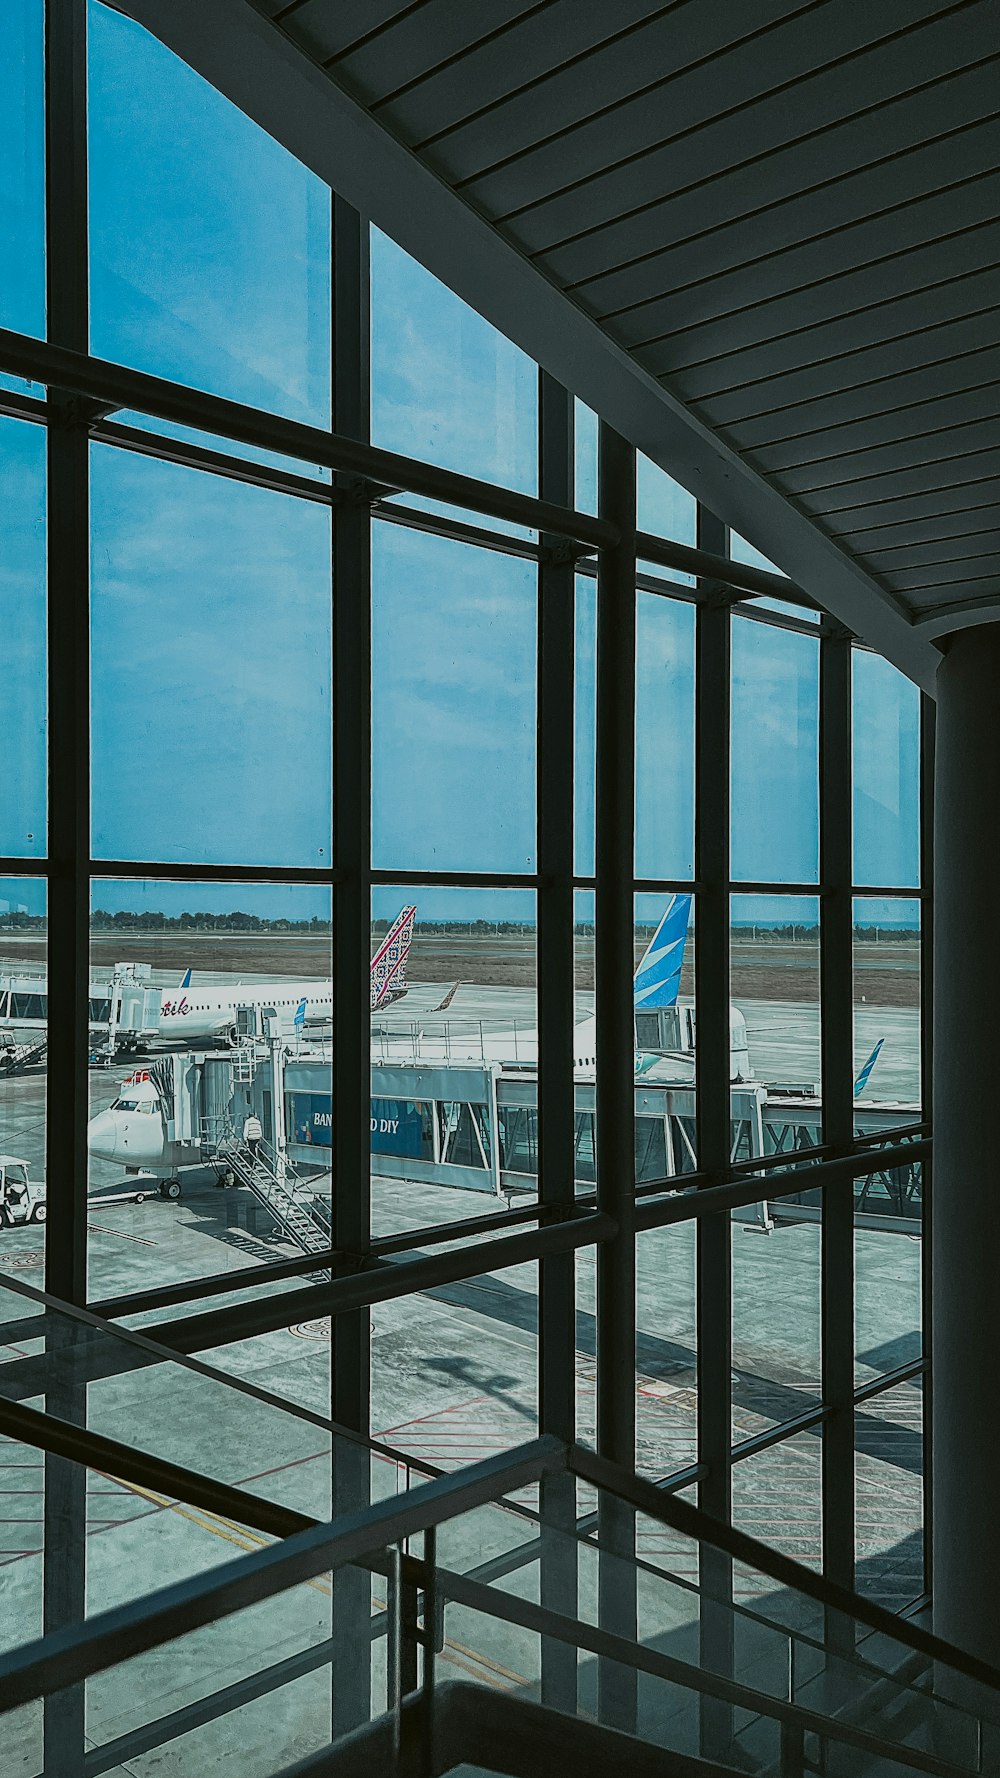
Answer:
(453, 1379)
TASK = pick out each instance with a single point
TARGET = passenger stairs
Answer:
(276, 1185)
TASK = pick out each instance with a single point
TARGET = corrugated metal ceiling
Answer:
(785, 214)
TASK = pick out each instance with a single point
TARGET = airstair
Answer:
(276, 1185)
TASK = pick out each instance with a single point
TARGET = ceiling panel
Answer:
(837, 261)
(909, 429)
(483, 77)
(728, 134)
(624, 91)
(889, 400)
(911, 528)
(419, 41)
(880, 327)
(326, 28)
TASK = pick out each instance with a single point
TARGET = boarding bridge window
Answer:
(650, 1149)
(100, 1011)
(29, 1006)
(519, 1139)
(464, 1133)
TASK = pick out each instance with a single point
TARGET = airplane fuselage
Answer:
(198, 1012)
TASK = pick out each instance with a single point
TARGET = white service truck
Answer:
(21, 1200)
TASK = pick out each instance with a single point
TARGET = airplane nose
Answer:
(102, 1136)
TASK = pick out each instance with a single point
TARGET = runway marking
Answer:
(95, 1228)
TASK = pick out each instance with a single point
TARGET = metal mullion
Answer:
(837, 1072)
(114, 386)
(350, 1383)
(32, 408)
(203, 457)
(445, 879)
(615, 1047)
(68, 905)
(412, 519)
(713, 563)
(927, 727)
(556, 1114)
(162, 871)
(714, 1114)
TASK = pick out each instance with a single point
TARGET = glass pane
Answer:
(454, 1023)
(23, 628)
(585, 423)
(886, 713)
(209, 244)
(889, 1496)
(210, 623)
(775, 754)
(664, 737)
(210, 1013)
(453, 721)
(666, 1032)
(446, 386)
(22, 189)
(666, 509)
(776, 1014)
(776, 1320)
(887, 1089)
(777, 1498)
(666, 1357)
(455, 1370)
(23, 1021)
(887, 1293)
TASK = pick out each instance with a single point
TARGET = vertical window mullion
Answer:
(351, 934)
(614, 927)
(714, 1117)
(68, 890)
(927, 722)
(556, 1186)
(837, 1068)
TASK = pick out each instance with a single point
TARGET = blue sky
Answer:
(211, 713)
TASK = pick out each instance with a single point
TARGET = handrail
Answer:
(69, 1656)
(155, 1353)
(500, 1733)
(701, 1527)
(636, 1655)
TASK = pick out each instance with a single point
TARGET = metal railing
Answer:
(374, 1537)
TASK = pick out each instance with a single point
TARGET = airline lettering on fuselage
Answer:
(173, 1008)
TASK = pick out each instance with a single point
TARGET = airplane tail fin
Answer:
(388, 978)
(300, 1014)
(185, 981)
(863, 1078)
(658, 977)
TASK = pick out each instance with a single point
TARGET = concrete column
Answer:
(966, 1181)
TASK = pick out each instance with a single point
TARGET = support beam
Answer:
(965, 1226)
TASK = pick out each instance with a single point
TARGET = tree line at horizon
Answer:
(238, 923)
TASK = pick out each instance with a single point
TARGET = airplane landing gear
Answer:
(170, 1188)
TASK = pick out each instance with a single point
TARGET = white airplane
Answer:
(133, 1131)
(198, 1013)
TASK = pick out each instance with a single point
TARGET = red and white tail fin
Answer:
(389, 962)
